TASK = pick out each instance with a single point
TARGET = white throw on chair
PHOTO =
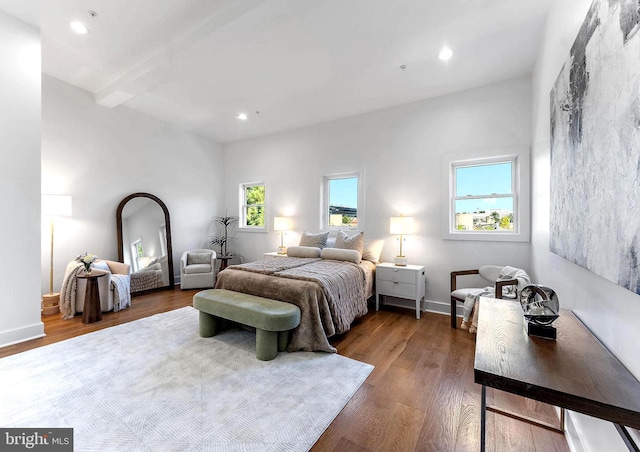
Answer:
(197, 269)
(499, 276)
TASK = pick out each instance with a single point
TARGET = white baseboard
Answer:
(437, 307)
(571, 434)
(23, 334)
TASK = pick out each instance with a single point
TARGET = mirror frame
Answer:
(167, 221)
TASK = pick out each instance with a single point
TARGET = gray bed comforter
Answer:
(329, 293)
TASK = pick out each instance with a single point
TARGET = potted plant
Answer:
(222, 238)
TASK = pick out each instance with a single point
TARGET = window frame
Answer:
(243, 207)
(324, 205)
(137, 251)
(488, 235)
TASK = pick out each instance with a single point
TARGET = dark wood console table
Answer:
(575, 372)
(92, 310)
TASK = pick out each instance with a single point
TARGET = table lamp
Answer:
(53, 206)
(282, 224)
(401, 226)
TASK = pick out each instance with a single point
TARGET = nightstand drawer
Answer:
(398, 289)
(396, 275)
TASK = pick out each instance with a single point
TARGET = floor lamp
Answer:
(53, 206)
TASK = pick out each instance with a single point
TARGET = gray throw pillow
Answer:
(316, 240)
(198, 258)
(355, 242)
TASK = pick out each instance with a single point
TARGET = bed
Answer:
(154, 275)
(330, 293)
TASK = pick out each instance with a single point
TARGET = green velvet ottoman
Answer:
(272, 319)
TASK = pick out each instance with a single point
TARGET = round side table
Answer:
(92, 311)
(224, 261)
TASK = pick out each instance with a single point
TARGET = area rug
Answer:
(156, 385)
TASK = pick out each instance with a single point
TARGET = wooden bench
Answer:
(272, 319)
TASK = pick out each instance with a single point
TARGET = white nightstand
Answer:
(401, 282)
(272, 254)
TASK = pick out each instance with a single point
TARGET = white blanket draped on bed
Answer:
(506, 274)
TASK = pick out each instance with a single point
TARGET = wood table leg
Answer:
(92, 311)
(483, 418)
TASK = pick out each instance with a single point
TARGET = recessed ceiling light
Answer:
(242, 117)
(445, 53)
(79, 27)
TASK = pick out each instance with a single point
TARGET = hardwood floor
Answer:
(420, 396)
(57, 329)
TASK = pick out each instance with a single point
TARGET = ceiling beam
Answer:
(157, 68)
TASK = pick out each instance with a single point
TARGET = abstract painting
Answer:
(595, 146)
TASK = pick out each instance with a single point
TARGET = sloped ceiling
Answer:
(285, 63)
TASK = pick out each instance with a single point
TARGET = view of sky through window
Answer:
(343, 192)
(483, 180)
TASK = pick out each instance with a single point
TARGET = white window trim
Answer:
(162, 232)
(242, 226)
(134, 253)
(521, 230)
(324, 203)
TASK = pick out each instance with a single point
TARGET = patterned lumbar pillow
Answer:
(355, 242)
(316, 240)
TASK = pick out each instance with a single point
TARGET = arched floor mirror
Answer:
(144, 242)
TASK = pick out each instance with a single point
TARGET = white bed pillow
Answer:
(372, 250)
(341, 255)
(153, 267)
(303, 251)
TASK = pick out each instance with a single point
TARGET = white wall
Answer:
(610, 311)
(100, 155)
(19, 181)
(401, 151)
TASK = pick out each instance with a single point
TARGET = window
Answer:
(137, 251)
(484, 196)
(162, 232)
(252, 199)
(341, 201)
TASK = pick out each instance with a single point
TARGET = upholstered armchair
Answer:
(104, 284)
(489, 273)
(197, 269)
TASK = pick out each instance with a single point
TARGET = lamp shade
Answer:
(56, 205)
(282, 223)
(401, 225)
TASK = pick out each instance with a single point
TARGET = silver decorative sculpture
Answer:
(541, 308)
